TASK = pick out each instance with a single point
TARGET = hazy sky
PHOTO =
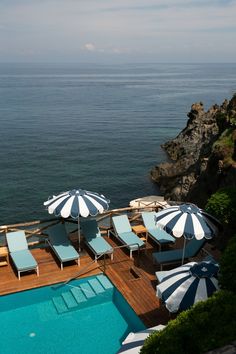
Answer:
(118, 31)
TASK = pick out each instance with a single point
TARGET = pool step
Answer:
(105, 282)
(87, 290)
(69, 300)
(59, 304)
(96, 286)
(85, 294)
(78, 295)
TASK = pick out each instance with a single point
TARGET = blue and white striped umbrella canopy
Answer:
(184, 286)
(187, 220)
(76, 203)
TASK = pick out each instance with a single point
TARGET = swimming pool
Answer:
(85, 316)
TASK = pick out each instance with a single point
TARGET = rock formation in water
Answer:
(203, 155)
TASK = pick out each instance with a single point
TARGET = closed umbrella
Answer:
(189, 221)
(184, 286)
(76, 203)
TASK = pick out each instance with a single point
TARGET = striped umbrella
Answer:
(184, 286)
(76, 203)
(187, 220)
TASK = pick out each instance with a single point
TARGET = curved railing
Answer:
(36, 229)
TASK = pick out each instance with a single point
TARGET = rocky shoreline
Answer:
(203, 155)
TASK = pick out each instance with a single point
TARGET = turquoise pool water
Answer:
(85, 316)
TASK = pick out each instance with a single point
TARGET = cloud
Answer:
(117, 51)
(90, 47)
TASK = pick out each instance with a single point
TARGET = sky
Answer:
(107, 31)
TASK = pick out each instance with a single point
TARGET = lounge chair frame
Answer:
(66, 243)
(176, 256)
(133, 246)
(161, 237)
(91, 231)
(18, 248)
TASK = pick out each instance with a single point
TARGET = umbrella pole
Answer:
(79, 234)
(183, 251)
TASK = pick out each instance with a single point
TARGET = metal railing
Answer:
(81, 271)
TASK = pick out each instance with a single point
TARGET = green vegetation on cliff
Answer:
(226, 121)
(227, 267)
(225, 146)
(222, 205)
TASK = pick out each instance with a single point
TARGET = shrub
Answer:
(222, 205)
(208, 325)
(227, 277)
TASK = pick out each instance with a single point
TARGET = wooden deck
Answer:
(135, 280)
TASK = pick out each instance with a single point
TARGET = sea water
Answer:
(96, 127)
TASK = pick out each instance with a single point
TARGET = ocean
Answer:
(95, 127)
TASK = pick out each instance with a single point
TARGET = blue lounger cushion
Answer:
(129, 238)
(99, 245)
(158, 235)
(16, 241)
(124, 233)
(94, 239)
(161, 236)
(191, 250)
(19, 252)
(23, 260)
(168, 256)
(65, 252)
(61, 245)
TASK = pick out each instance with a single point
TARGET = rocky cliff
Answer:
(203, 155)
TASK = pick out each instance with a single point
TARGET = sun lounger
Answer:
(175, 256)
(124, 233)
(61, 245)
(158, 235)
(19, 252)
(94, 239)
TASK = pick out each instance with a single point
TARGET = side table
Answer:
(140, 230)
(4, 256)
